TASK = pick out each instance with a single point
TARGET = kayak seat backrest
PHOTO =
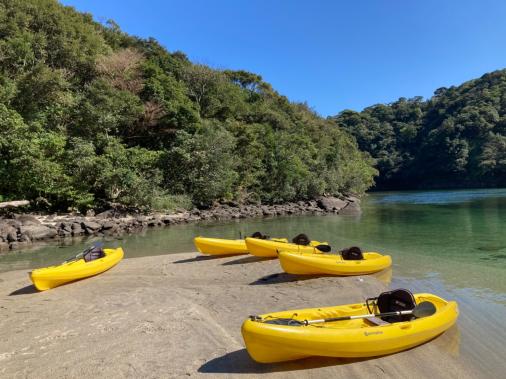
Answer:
(95, 253)
(301, 239)
(259, 236)
(396, 300)
(353, 253)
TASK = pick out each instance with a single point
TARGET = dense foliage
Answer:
(90, 115)
(455, 139)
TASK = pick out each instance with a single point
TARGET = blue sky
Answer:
(334, 55)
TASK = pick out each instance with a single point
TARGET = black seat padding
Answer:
(353, 253)
(301, 239)
(92, 254)
(259, 236)
(396, 300)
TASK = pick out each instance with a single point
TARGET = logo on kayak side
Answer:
(372, 333)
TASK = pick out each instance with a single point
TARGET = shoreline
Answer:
(180, 315)
(21, 231)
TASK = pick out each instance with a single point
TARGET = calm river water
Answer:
(452, 243)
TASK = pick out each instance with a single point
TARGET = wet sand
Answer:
(179, 315)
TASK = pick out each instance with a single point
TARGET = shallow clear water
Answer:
(458, 237)
(452, 243)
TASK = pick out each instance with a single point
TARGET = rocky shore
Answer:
(22, 230)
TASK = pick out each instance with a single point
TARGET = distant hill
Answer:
(90, 115)
(457, 138)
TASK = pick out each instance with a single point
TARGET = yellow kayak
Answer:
(270, 248)
(313, 264)
(220, 246)
(269, 342)
(53, 276)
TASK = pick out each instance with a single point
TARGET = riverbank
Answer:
(18, 231)
(179, 315)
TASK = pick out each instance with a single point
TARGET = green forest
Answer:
(91, 116)
(455, 139)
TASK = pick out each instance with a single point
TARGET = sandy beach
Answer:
(179, 315)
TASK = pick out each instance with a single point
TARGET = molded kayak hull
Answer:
(219, 246)
(270, 248)
(54, 276)
(267, 343)
(314, 264)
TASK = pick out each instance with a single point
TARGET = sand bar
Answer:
(179, 315)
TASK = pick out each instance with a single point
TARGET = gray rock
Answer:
(66, 226)
(7, 225)
(37, 232)
(351, 209)
(24, 238)
(353, 199)
(331, 204)
(12, 236)
(266, 211)
(17, 245)
(109, 225)
(77, 230)
(110, 213)
(64, 233)
(27, 219)
(7, 229)
(91, 226)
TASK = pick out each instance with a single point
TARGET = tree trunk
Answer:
(14, 204)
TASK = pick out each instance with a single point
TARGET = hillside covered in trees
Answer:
(457, 138)
(90, 116)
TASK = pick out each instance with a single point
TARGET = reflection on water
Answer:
(384, 276)
(439, 197)
(449, 341)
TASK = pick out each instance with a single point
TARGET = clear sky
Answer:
(334, 55)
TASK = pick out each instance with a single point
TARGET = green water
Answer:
(452, 243)
(458, 236)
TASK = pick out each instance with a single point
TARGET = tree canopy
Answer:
(90, 115)
(457, 138)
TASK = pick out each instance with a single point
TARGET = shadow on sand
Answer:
(199, 258)
(239, 362)
(25, 291)
(283, 277)
(248, 259)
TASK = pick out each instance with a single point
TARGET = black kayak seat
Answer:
(301, 239)
(93, 254)
(396, 300)
(353, 253)
(259, 235)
